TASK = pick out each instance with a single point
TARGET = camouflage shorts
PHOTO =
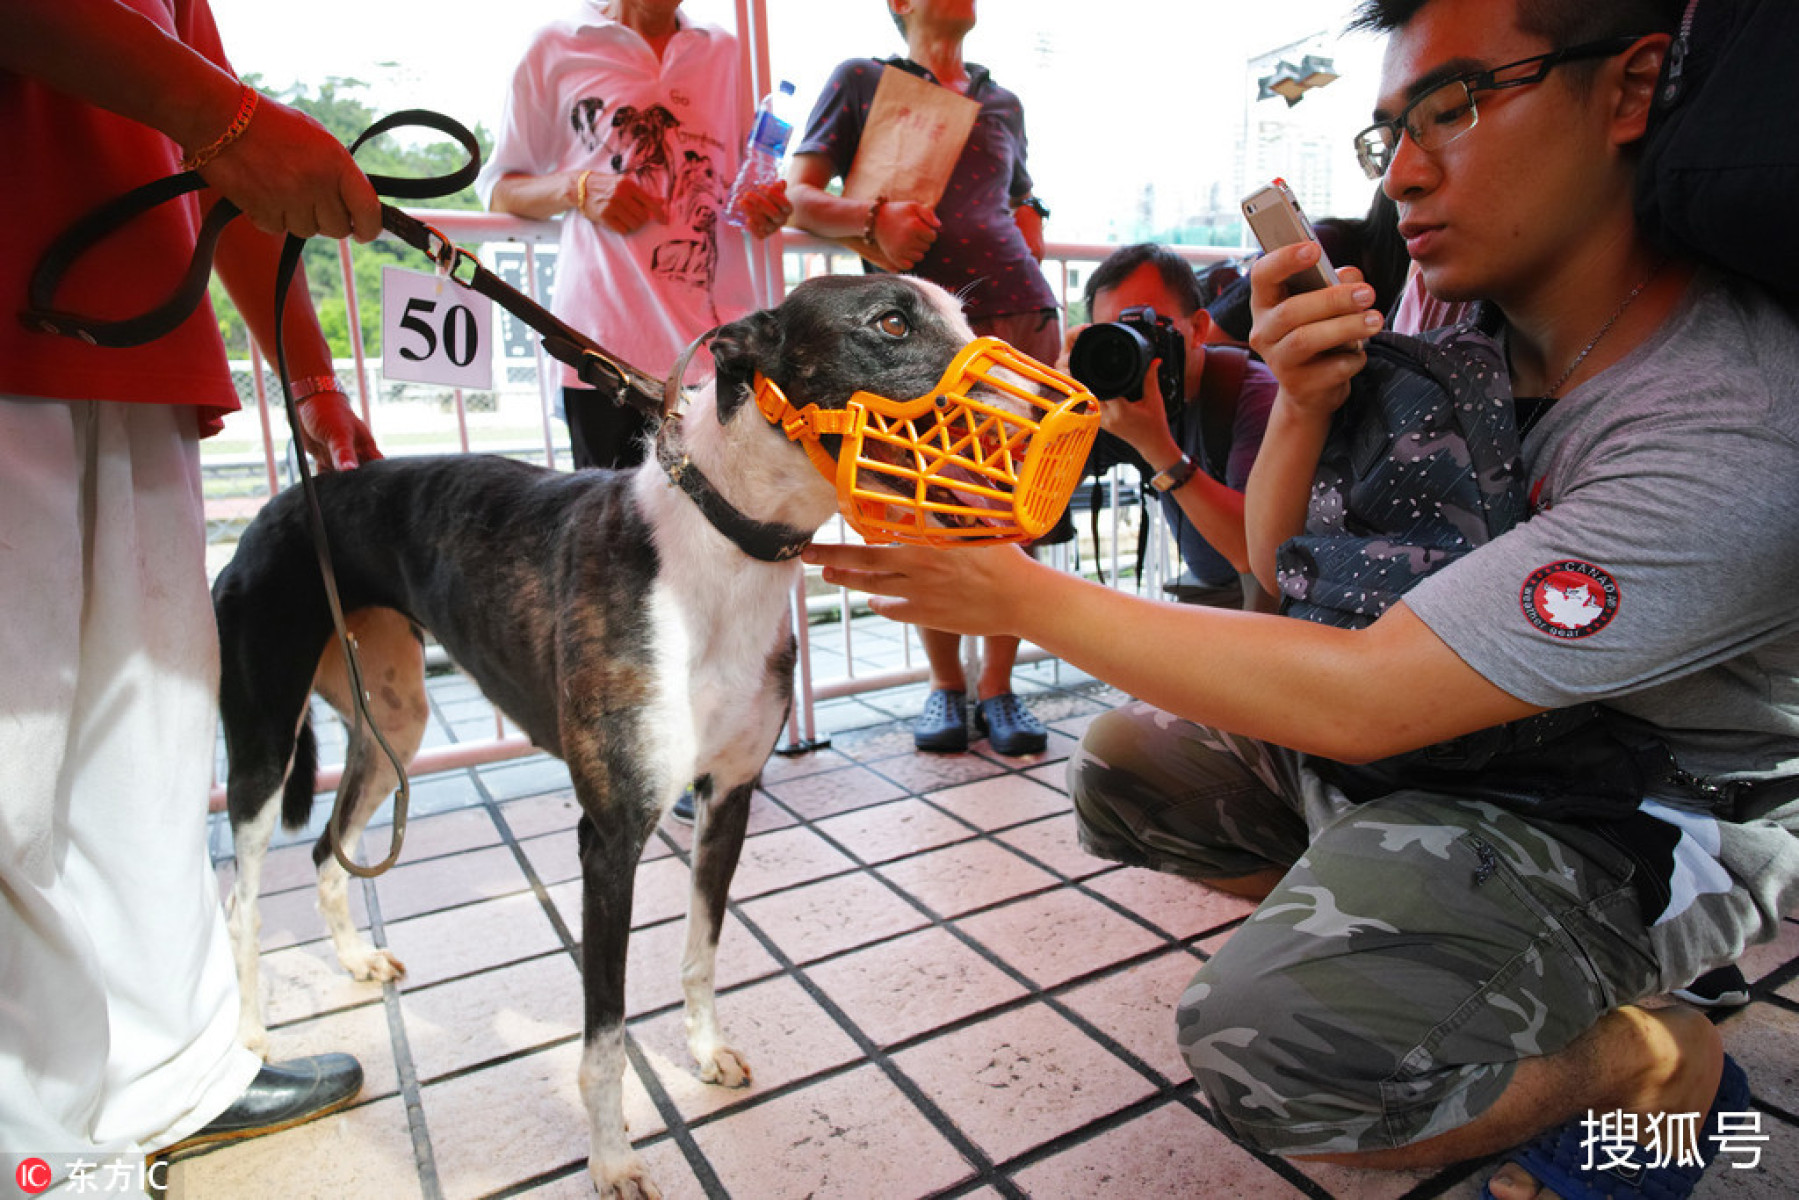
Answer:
(1415, 951)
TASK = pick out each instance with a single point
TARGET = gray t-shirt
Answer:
(1659, 570)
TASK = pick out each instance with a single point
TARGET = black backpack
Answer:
(1425, 417)
(1434, 417)
(1720, 169)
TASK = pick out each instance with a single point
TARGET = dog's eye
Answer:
(893, 324)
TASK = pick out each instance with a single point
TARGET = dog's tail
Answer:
(296, 793)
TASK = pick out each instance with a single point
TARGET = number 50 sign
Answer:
(434, 331)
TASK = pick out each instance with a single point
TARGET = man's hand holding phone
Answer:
(1274, 216)
(1312, 341)
(1310, 320)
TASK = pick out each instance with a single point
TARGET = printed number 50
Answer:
(459, 335)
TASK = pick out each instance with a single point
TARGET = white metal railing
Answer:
(801, 256)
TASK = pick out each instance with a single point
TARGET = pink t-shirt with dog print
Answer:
(590, 94)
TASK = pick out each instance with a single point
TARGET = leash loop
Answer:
(361, 719)
(41, 313)
(443, 185)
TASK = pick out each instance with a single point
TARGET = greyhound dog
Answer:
(634, 623)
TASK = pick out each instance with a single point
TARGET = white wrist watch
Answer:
(1176, 475)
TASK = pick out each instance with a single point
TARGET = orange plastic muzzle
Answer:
(985, 456)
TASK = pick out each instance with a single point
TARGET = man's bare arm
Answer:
(1352, 695)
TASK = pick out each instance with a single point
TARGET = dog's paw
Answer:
(625, 1179)
(372, 964)
(254, 1038)
(725, 1067)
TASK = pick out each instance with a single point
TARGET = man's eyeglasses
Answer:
(1447, 111)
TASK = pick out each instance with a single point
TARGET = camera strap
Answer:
(1220, 388)
(1220, 392)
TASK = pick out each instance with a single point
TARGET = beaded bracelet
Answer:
(868, 222)
(581, 192)
(246, 108)
(313, 385)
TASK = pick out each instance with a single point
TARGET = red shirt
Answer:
(64, 158)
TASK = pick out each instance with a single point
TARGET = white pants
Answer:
(118, 999)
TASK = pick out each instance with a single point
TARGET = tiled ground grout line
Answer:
(1189, 1100)
(1764, 988)
(676, 1128)
(872, 1055)
(509, 1056)
(410, 1092)
(1166, 1090)
(424, 1158)
(526, 1186)
(1183, 1095)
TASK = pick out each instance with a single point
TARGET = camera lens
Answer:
(1110, 360)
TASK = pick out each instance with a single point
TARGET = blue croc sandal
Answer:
(1556, 1159)
(942, 728)
(1010, 728)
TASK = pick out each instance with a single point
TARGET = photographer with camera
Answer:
(1188, 411)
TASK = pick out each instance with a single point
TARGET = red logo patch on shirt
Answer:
(1569, 599)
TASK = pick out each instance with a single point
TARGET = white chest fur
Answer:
(722, 618)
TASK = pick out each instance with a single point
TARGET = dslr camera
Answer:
(1111, 359)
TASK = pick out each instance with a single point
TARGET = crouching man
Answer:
(1447, 967)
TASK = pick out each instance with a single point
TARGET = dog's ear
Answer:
(739, 350)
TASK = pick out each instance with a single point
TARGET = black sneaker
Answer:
(1010, 728)
(942, 728)
(683, 809)
(281, 1096)
(1721, 987)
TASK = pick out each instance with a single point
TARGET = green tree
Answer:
(337, 106)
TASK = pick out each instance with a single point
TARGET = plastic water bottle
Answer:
(762, 156)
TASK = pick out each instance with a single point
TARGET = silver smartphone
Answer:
(1275, 218)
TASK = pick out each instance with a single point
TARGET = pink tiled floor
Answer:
(940, 994)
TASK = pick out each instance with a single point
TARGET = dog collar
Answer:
(766, 541)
